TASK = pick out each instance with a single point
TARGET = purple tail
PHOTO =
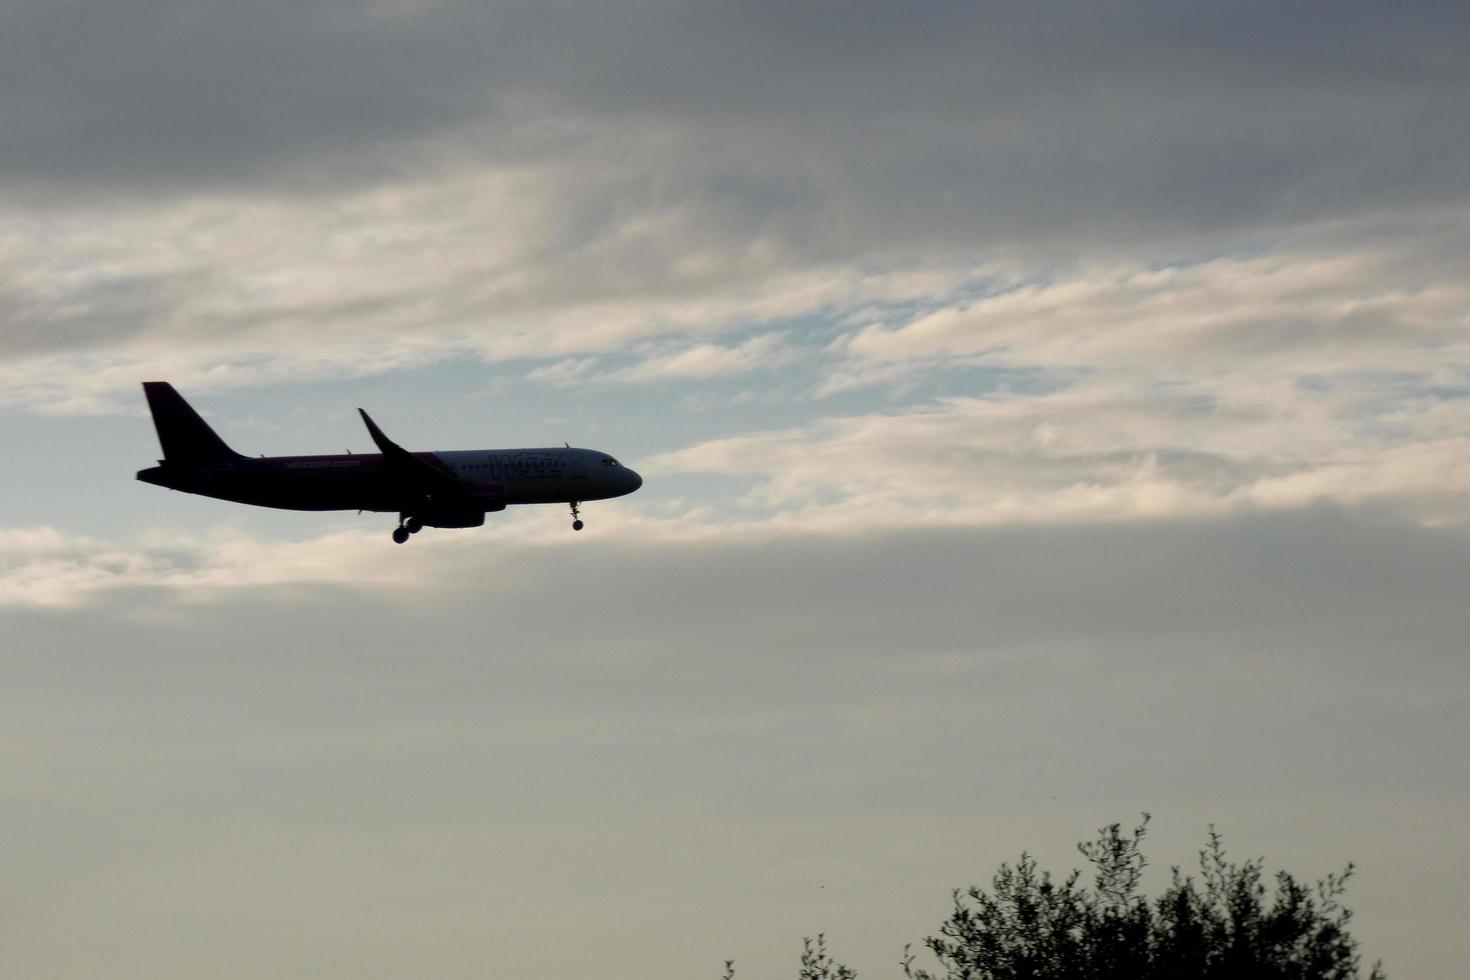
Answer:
(186, 438)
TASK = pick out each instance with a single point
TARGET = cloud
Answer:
(43, 567)
(235, 292)
(1305, 374)
(881, 122)
(367, 187)
(707, 361)
(1098, 450)
(46, 567)
(688, 363)
(703, 142)
(921, 571)
(569, 373)
(1284, 312)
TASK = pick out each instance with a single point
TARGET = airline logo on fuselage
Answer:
(520, 466)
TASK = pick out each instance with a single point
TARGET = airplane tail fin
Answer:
(186, 438)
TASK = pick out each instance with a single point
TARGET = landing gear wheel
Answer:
(576, 525)
(400, 535)
(414, 525)
(576, 517)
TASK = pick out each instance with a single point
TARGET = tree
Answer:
(1220, 925)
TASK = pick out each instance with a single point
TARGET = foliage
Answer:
(1218, 926)
(815, 963)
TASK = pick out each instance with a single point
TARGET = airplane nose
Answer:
(634, 480)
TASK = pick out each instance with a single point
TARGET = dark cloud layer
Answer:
(943, 122)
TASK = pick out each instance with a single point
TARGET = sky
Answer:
(1048, 413)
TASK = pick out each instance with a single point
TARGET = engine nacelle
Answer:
(465, 511)
(455, 516)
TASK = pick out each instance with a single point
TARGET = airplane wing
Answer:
(409, 474)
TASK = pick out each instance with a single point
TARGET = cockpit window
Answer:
(609, 461)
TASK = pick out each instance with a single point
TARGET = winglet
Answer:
(404, 467)
(381, 441)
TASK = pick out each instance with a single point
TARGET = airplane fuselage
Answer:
(358, 481)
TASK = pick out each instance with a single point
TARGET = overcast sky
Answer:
(1048, 413)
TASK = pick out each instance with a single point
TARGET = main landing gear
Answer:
(406, 525)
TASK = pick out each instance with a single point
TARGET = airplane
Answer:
(448, 489)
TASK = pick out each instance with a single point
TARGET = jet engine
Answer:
(467, 510)
(457, 515)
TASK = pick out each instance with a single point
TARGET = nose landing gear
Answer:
(576, 517)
